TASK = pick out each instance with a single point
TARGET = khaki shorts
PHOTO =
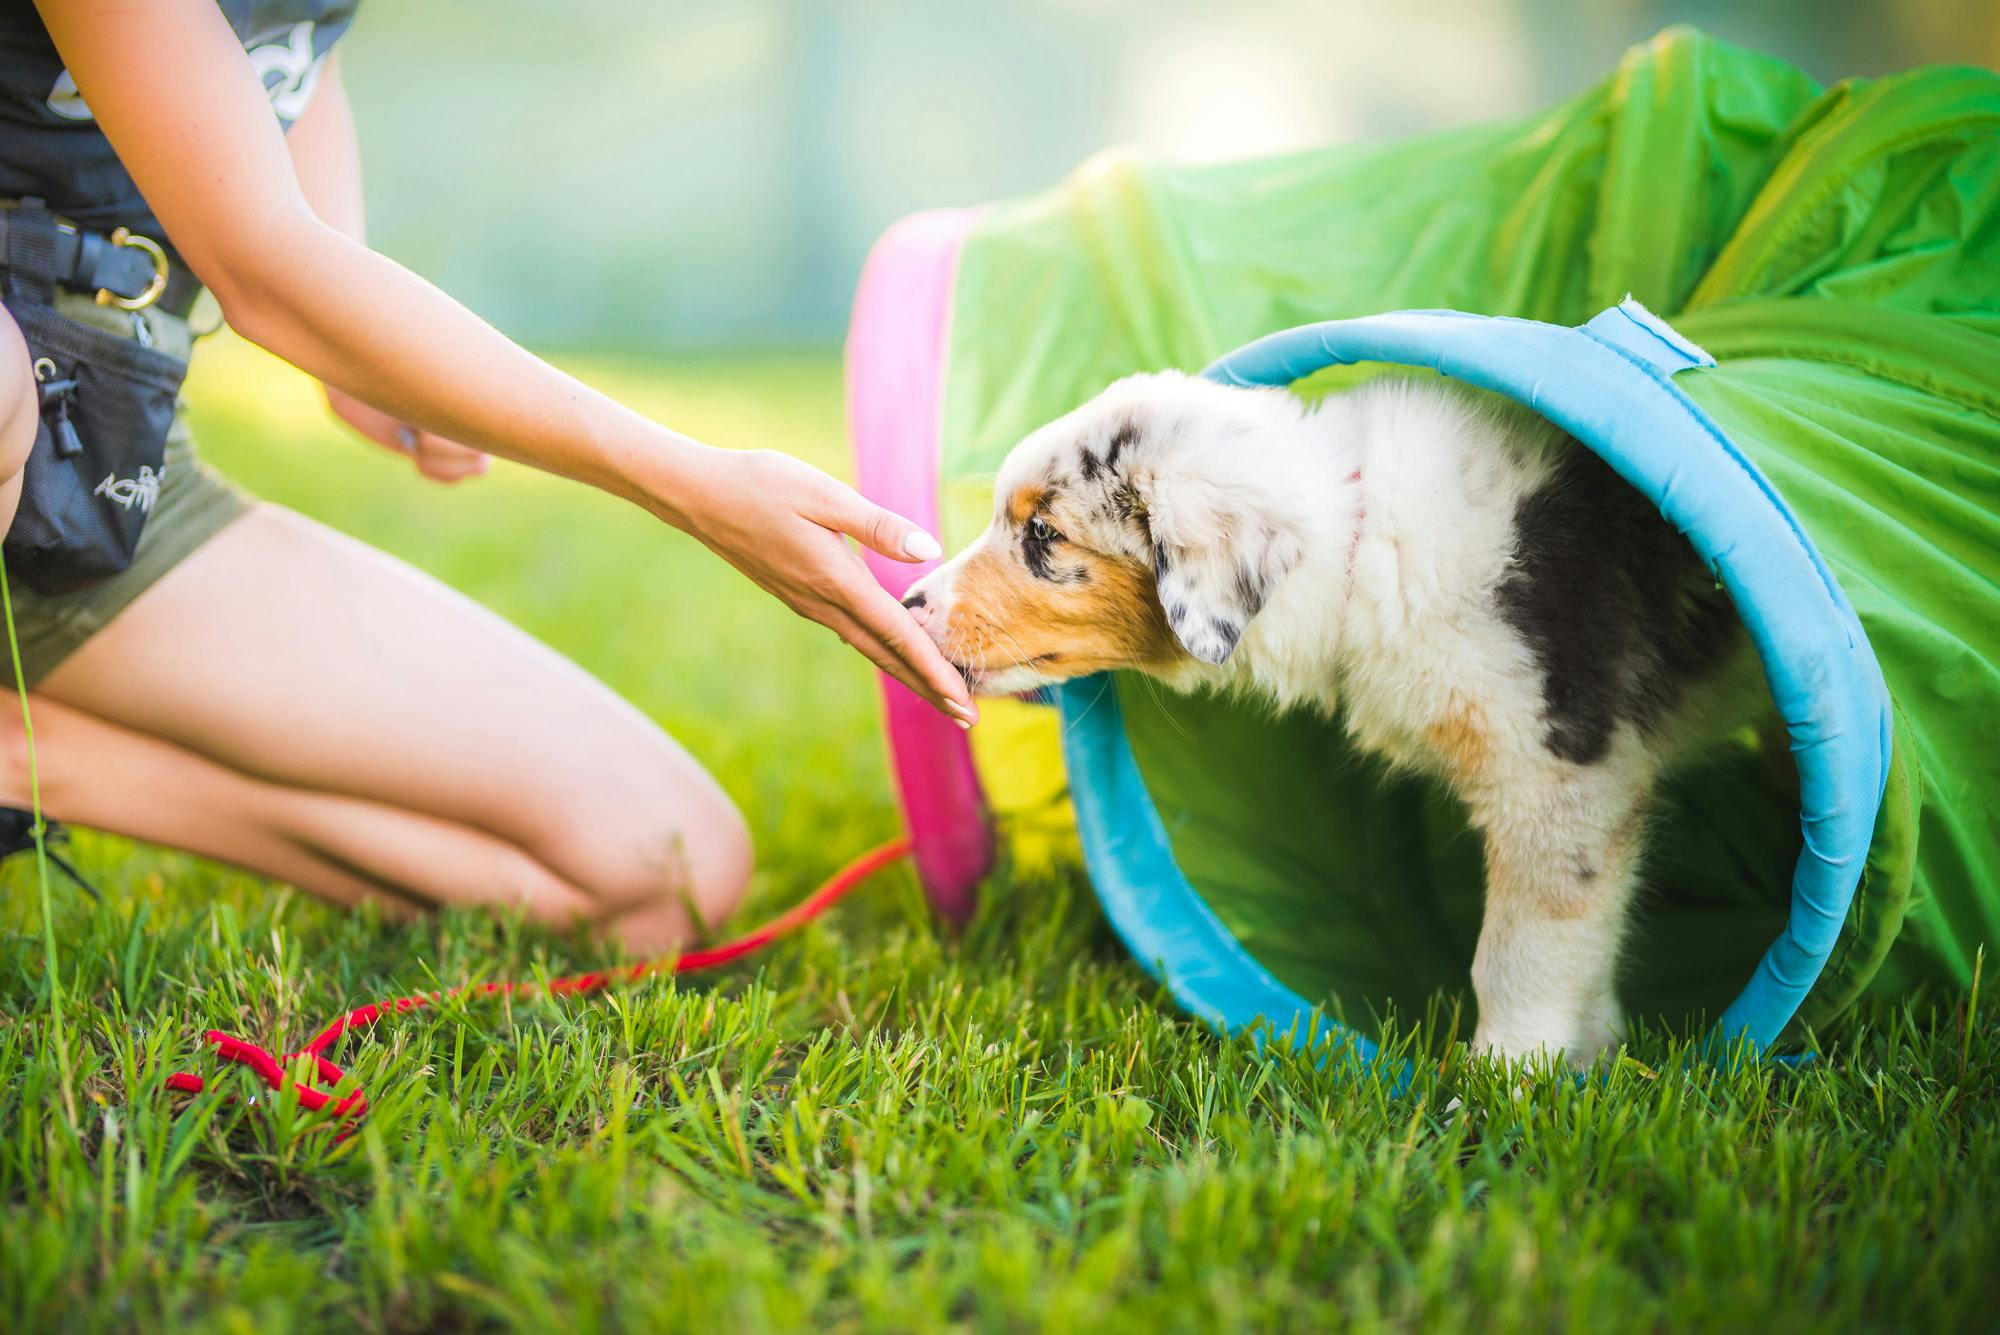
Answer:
(195, 504)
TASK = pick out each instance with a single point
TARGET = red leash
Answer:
(352, 1105)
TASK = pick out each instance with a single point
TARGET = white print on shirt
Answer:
(288, 68)
(141, 491)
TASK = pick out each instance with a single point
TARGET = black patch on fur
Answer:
(1126, 434)
(1250, 589)
(1614, 604)
(915, 600)
(1093, 467)
(1229, 632)
(1038, 553)
(1035, 551)
(1067, 574)
(1131, 506)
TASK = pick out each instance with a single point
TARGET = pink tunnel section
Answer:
(895, 382)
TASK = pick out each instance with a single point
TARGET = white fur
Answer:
(1387, 516)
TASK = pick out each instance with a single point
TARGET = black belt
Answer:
(123, 269)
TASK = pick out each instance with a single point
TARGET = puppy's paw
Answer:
(1517, 1046)
(1576, 1042)
(1600, 1031)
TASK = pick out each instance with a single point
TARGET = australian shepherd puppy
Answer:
(1476, 594)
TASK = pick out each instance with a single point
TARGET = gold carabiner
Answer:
(151, 249)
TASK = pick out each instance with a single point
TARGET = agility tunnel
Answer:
(1774, 309)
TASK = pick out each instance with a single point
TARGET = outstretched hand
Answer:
(779, 520)
(436, 458)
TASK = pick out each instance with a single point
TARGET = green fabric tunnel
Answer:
(1837, 252)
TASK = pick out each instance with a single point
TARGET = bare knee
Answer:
(659, 866)
(16, 770)
(705, 862)
(695, 886)
(26, 770)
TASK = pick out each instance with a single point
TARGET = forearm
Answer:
(326, 156)
(363, 323)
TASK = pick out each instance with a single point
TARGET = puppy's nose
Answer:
(914, 600)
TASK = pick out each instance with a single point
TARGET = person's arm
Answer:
(326, 155)
(170, 87)
(326, 158)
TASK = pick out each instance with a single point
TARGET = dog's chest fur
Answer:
(1479, 591)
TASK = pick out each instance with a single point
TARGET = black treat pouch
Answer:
(107, 404)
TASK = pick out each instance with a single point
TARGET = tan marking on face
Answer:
(1460, 736)
(1002, 615)
(1028, 498)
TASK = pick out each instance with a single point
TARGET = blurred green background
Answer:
(675, 175)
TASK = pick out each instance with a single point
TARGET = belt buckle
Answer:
(150, 248)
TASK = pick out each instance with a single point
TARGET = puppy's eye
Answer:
(1042, 531)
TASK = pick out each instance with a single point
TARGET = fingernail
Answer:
(921, 546)
(406, 436)
(963, 715)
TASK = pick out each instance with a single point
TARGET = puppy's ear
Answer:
(1216, 557)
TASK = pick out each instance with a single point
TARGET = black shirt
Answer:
(50, 145)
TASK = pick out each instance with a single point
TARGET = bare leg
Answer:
(346, 849)
(20, 413)
(358, 726)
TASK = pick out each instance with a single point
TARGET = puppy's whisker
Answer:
(1021, 655)
(1160, 699)
(973, 668)
(955, 642)
(1085, 711)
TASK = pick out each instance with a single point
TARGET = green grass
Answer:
(871, 1126)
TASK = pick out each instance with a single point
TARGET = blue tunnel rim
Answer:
(1609, 383)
